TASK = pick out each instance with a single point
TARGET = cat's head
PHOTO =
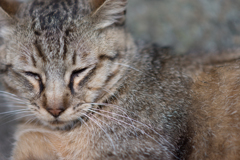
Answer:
(61, 56)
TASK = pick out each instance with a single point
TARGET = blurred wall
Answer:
(188, 25)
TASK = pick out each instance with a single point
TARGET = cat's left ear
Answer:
(108, 12)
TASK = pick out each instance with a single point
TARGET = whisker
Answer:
(93, 120)
(143, 132)
(109, 92)
(5, 94)
(8, 106)
(13, 98)
(117, 120)
(30, 121)
(18, 118)
(4, 117)
(107, 125)
(125, 65)
(82, 120)
(15, 111)
(113, 105)
(136, 122)
(127, 117)
(16, 100)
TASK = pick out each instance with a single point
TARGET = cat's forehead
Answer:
(55, 14)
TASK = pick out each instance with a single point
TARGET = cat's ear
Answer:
(108, 12)
(8, 8)
(6, 22)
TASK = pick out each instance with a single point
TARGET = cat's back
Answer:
(206, 89)
(216, 112)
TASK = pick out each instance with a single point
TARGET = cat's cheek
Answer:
(35, 85)
(90, 96)
(44, 115)
(67, 115)
(72, 114)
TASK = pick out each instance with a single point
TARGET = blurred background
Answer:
(186, 25)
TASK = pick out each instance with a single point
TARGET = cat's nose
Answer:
(55, 112)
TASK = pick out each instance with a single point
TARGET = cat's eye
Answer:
(34, 75)
(75, 73)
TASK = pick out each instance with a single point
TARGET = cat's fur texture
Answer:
(90, 92)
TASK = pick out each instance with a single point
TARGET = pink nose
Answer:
(55, 112)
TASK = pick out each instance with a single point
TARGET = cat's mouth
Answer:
(61, 123)
(57, 122)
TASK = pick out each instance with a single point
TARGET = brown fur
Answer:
(10, 6)
(96, 4)
(216, 113)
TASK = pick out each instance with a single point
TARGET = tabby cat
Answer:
(83, 89)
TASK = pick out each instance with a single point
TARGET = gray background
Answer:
(186, 25)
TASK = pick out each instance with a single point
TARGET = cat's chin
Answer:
(61, 125)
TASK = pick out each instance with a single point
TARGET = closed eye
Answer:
(34, 75)
(38, 78)
(75, 73)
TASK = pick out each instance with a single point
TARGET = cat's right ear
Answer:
(5, 23)
(8, 8)
(108, 12)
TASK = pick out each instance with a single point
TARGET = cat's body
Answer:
(97, 95)
(120, 136)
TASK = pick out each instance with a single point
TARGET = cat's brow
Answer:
(40, 52)
(65, 50)
(111, 58)
(111, 76)
(74, 58)
(34, 61)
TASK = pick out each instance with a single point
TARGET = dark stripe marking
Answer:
(74, 58)
(39, 51)
(86, 78)
(44, 100)
(34, 61)
(65, 50)
(34, 104)
(83, 81)
(111, 76)
(66, 100)
(7, 67)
